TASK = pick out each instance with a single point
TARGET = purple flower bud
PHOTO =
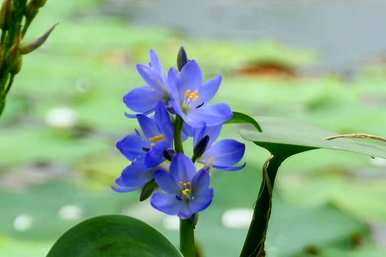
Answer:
(182, 58)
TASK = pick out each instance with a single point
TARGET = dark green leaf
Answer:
(239, 118)
(113, 236)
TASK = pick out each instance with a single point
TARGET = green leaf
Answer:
(239, 117)
(281, 135)
(284, 138)
(113, 236)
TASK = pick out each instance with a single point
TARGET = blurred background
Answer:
(320, 61)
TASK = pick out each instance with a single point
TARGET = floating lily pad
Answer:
(283, 135)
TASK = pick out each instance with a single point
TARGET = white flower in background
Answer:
(171, 222)
(61, 117)
(380, 162)
(22, 222)
(70, 212)
(237, 218)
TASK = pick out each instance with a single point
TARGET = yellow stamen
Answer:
(192, 95)
(186, 190)
(157, 138)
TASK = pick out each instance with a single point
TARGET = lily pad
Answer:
(284, 138)
(293, 136)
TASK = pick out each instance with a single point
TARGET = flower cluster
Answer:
(171, 108)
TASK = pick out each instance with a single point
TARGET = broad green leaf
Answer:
(284, 138)
(239, 117)
(113, 236)
(282, 135)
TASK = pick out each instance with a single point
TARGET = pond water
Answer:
(346, 33)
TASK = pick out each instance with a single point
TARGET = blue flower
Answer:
(191, 95)
(184, 191)
(223, 154)
(134, 177)
(145, 99)
(157, 137)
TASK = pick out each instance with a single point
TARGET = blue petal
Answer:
(230, 168)
(200, 183)
(224, 153)
(211, 115)
(187, 131)
(155, 156)
(132, 146)
(151, 77)
(209, 89)
(172, 82)
(182, 168)
(123, 189)
(212, 132)
(148, 126)
(166, 203)
(202, 201)
(134, 116)
(142, 99)
(166, 182)
(155, 62)
(190, 77)
(134, 177)
(175, 104)
(185, 211)
(163, 120)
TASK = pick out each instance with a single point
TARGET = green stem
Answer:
(9, 85)
(187, 245)
(178, 124)
(254, 243)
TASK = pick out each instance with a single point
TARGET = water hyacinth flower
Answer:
(184, 192)
(191, 95)
(223, 154)
(156, 139)
(145, 99)
(180, 102)
(134, 177)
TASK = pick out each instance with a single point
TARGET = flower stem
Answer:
(254, 243)
(178, 124)
(187, 245)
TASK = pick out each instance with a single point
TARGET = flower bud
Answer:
(14, 58)
(169, 154)
(148, 190)
(38, 3)
(182, 58)
(33, 8)
(32, 46)
(200, 148)
(5, 14)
